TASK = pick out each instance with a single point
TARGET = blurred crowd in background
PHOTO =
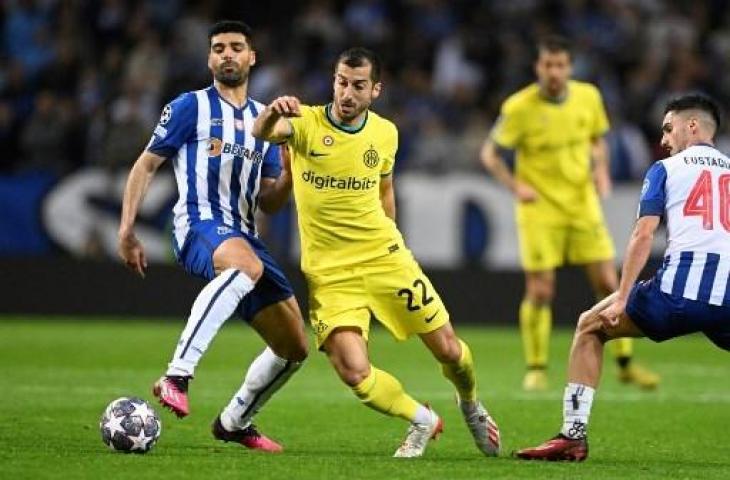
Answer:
(82, 82)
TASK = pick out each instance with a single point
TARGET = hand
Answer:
(132, 252)
(603, 182)
(525, 193)
(286, 107)
(609, 316)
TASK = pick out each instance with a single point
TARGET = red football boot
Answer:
(249, 437)
(558, 448)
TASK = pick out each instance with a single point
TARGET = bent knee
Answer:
(296, 352)
(251, 266)
(352, 375)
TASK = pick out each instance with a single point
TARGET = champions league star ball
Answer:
(129, 424)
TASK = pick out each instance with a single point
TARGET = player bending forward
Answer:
(354, 257)
(688, 294)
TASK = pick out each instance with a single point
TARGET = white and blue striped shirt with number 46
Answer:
(218, 163)
(692, 191)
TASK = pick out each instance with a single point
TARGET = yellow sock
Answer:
(383, 393)
(622, 347)
(535, 324)
(461, 374)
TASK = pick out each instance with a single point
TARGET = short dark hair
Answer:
(696, 101)
(554, 44)
(231, 26)
(357, 56)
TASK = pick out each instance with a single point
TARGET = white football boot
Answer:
(418, 435)
(483, 429)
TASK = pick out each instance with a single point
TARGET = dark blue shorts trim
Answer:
(662, 316)
(196, 257)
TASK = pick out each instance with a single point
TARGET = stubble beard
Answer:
(231, 79)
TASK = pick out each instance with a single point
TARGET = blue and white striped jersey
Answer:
(692, 191)
(218, 163)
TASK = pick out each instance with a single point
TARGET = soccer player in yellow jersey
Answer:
(555, 127)
(353, 255)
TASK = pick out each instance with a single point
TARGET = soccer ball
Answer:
(129, 424)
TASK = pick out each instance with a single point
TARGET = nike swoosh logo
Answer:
(312, 153)
(428, 319)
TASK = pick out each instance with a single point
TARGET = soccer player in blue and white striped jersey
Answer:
(689, 293)
(224, 175)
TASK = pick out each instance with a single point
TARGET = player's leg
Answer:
(535, 326)
(584, 371)
(457, 365)
(406, 303)
(542, 250)
(347, 351)
(233, 269)
(604, 280)
(281, 326)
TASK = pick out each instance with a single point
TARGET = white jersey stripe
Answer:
(181, 222)
(226, 167)
(694, 277)
(669, 272)
(720, 285)
(201, 164)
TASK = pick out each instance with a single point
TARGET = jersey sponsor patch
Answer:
(160, 131)
(166, 114)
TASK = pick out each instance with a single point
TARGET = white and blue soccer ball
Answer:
(130, 424)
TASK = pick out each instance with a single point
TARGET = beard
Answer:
(230, 78)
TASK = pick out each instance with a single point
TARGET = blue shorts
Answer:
(196, 257)
(662, 316)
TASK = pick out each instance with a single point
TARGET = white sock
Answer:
(577, 402)
(267, 374)
(214, 305)
(424, 416)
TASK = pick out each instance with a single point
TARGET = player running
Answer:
(689, 293)
(555, 126)
(223, 175)
(354, 257)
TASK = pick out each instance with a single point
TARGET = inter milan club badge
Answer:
(370, 157)
(328, 141)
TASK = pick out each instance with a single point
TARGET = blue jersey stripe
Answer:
(680, 278)
(191, 201)
(708, 277)
(236, 172)
(251, 184)
(214, 163)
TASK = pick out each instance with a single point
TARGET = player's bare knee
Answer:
(541, 292)
(249, 264)
(351, 375)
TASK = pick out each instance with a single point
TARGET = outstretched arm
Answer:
(272, 124)
(130, 248)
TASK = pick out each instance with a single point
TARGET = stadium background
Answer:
(82, 84)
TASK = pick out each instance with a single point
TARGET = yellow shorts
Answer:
(393, 289)
(546, 247)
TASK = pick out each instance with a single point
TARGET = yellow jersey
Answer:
(552, 141)
(336, 175)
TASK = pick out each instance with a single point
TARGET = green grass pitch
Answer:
(56, 377)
